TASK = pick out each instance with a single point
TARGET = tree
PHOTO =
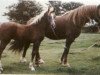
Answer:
(63, 7)
(71, 5)
(23, 11)
(56, 5)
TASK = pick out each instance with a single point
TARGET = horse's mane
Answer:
(37, 18)
(82, 12)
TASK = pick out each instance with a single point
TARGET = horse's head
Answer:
(50, 17)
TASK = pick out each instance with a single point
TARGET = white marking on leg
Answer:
(66, 65)
(23, 59)
(41, 61)
(1, 69)
(31, 66)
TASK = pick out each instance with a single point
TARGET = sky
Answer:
(5, 3)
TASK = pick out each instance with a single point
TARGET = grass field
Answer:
(83, 62)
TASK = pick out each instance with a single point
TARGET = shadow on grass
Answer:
(75, 53)
(20, 68)
(16, 68)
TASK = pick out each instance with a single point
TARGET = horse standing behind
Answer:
(68, 26)
(25, 34)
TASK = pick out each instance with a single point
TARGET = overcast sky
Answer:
(4, 3)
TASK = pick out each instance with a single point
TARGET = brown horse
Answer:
(25, 34)
(69, 25)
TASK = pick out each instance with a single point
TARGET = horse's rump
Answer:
(8, 31)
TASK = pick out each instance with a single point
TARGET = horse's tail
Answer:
(17, 46)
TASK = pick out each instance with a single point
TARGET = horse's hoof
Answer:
(23, 60)
(1, 69)
(66, 65)
(32, 68)
(37, 65)
(41, 61)
(0, 72)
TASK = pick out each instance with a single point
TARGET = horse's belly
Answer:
(55, 36)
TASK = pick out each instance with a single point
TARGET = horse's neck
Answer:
(38, 25)
(84, 16)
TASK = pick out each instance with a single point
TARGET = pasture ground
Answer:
(83, 62)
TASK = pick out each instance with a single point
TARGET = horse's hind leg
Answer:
(3, 44)
(23, 59)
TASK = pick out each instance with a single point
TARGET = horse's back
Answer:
(6, 26)
(7, 30)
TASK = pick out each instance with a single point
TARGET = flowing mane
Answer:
(37, 18)
(84, 13)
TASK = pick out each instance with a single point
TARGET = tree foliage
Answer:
(71, 5)
(63, 7)
(56, 5)
(23, 11)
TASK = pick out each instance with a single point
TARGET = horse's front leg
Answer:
(26, 46)
(34, 52)
(64, 57)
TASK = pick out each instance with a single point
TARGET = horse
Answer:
(23, 35)
(69, 25)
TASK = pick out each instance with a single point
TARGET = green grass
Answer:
(83, 62)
